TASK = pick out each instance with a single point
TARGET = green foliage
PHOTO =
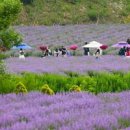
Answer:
(10, 37)
(93, 15)
(2, 67)
(72, 1)
(96, 83)
(111, 82)
(126, 19)
(75, 88)
(71, 74)
(7, 83)
(2, 56)
(81, 11)
(124, 123)
(128, 8)
(47, 90)
(9, 10)
(88, 84)
(20, 88)
(26, 1)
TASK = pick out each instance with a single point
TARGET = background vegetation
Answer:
(91, 82)
(9, 11)
(50, 12)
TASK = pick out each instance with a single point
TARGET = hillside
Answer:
(51, 12)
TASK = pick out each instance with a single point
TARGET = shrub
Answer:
(71, 74)
(47, 90)
(20, 88)
(2, 67)
(107, 82)
(2, 56)
(126, 19)
(7, 85)
(93, 14)
(27, 1)
(87, 83)
(72, 1)
(75, 88)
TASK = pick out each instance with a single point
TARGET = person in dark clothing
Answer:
(63, 50)
(21, 52)
(86, 50)
(122, 51)
(45, 52)
(97, 53)
(128, 40)
(56, 52)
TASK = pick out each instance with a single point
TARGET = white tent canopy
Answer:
(92, 44)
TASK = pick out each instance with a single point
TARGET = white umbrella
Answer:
(92, 44)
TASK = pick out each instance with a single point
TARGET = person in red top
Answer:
(127, 51)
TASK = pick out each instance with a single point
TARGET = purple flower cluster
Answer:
(79, 64)
(72, 111)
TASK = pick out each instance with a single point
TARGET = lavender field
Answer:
(68, 111)
(72, 111)
(78, 64)
(67, 35)
(74, 34)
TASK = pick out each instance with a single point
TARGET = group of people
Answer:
(87, 53)
(62, 51)
(125, 51)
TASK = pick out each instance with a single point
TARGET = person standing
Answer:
(21, 54)
(86, 50)
(127, 53)
(122, 51)
(128, 41)
(56, 52)
(63, 50)
(97, 53)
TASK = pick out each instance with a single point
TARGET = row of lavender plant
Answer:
(61, 65)
(74, 34)
(72, 111)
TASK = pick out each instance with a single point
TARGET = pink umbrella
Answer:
(73, 47)
(104, 47)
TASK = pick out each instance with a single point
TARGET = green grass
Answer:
(49, 12)
(92, 82)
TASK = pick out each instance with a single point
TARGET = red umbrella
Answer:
(43, 48)
(73, 47)
(104, 47)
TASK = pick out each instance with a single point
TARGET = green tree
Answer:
(9, 37)
(9, 10)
